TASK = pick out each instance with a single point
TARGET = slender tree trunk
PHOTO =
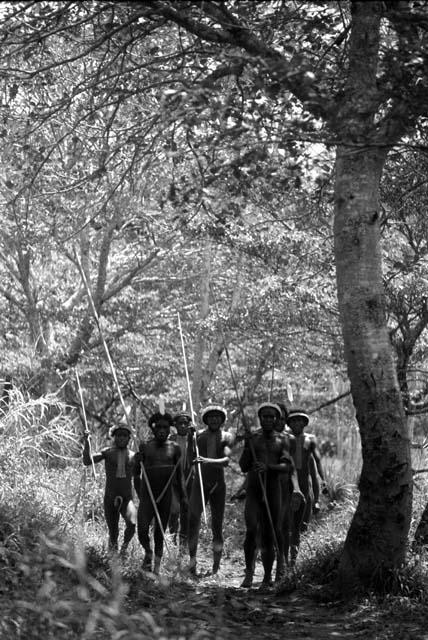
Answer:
(85, 330)
(221, 341)
(200, 338)
(376, 542)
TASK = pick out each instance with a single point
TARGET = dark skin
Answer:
(214, 421)
(214, 455)
(118, 490)
(161, 458)
(292, 497)
(178, 520)
(265, 462)
(304, 453)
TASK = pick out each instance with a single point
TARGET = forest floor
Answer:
(58, 583)
(216, 608)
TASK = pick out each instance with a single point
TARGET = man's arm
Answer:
(297, 496)
(216, 462)
(138, 458)
(318, 463)
(227, 451)
(87, 458)
(179, 473)
(246, 460)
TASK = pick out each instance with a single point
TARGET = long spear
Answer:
(273, 374)
(115, 378)
(247, 429)
(195, 441)
(87, 432)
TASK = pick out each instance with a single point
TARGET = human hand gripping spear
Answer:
(247, 429)
(195, 441)
(122, 402)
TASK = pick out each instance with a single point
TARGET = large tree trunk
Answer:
(376, 542)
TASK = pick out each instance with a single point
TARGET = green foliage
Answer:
(132, 136)
(37, 429)
(341, 480)
(131, 166)
(59, 582)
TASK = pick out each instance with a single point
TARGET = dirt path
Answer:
(218, 609)
(208, 610)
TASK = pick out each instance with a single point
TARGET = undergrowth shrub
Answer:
(57, 579)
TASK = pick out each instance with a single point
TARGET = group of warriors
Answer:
(177, 475)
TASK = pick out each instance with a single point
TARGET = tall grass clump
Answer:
(50, 586)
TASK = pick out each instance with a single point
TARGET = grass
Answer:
(57, 581)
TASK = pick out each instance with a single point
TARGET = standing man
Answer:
(214, 448)
(291, 496)
(161, 458)
(265, 459)
(119, 464)
(178, 520)
(305, 448)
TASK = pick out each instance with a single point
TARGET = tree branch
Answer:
(292, 77)
(332, 401)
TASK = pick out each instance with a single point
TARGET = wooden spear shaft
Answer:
(273, 374)
(189, 391)
(85, 421)
(116, 381)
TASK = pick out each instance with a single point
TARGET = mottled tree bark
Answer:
(376, 542)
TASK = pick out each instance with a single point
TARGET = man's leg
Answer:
(267, 551)
(144, 519)
(296, 523)
(164, 508)
(174, 513)
(111, 514)
(129, 514)
(252, 513)
(307, 515)
(195, 511)
(315, 485)
(184, 521)
(217, 503)
(286, 517)
(275, 503)
(271, 535)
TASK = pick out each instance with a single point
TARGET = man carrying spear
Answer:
(304, 449)
(161, 458)
(119, 467)
(179, 517)
(116, 381)
(214, 448)
(265, 458)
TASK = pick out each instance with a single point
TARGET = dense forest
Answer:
(243, 184)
